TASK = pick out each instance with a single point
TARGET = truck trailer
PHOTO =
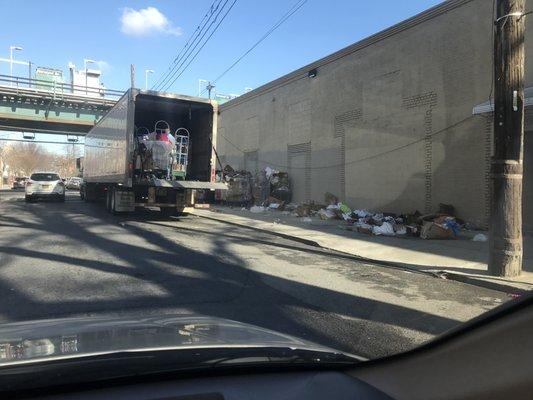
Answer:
(152, 149)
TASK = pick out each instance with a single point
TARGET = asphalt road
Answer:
(74, 259)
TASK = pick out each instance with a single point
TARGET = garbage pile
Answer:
(239, 186)
(440, 225)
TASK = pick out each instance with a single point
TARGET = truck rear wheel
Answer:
(110, 203)
(89, 193)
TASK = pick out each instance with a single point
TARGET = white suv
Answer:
(45, 185)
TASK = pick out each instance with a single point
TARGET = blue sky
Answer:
(53, 33)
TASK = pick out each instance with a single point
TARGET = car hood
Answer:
(32, 341)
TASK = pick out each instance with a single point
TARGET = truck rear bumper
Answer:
(188, 184)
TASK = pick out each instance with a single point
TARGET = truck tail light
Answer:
(213, 175)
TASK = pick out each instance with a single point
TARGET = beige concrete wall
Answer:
(371, 126)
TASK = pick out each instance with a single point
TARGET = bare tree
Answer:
(24, 158)
(66, 162)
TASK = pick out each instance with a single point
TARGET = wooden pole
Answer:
(505, 258)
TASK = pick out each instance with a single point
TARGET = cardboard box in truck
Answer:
(151, 149)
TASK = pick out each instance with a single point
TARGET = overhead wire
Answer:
(360, 160)
(192, 39)
(177, 73)
(299, 4)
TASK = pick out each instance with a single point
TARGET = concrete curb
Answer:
(475, 280)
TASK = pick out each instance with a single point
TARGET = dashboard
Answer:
(287, 386)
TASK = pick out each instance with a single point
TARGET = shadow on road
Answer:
(216, 284)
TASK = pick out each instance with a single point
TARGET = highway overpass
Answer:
(32, 105)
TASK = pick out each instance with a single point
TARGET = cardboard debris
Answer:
(432, 230)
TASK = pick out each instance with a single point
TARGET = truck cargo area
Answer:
(194, 116)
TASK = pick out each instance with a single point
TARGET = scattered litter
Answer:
(257, 209)
(243, 209)
(400, 230)
(433, 230)
(364, 228)
(269, 171)
(307, 219)
(278, 221)
(274, 206)
(480, 237)
(327, 214)
(385, 229)
(286, 212)
(344, 208)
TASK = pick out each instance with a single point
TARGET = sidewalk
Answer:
(460, 259)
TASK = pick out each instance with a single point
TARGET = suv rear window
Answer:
(44, 177)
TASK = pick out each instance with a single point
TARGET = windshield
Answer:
(44, 177)
(335, 175)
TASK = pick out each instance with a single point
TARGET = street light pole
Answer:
(11, 48)
(85, 62)
(146, 72)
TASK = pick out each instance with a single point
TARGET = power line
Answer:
(187, 55)
(192, 39)
(286, 16)
(361, 159)
(205, 42)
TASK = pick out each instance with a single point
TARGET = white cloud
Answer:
(146, 21)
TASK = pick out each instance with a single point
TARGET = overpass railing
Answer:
(58, 90)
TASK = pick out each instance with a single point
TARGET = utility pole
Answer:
(505, 258)
(209, 88)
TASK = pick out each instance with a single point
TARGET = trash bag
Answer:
(344, 208)
(480, 237)
(326, 214)
(400, 230)
(385, 229)
(451, 223)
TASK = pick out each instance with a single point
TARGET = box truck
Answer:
(152, 149)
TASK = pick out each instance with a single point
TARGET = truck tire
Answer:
(108, 199)
(89, 193)
(112, 205)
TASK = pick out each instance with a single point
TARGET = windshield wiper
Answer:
(265, 356)
(125, 364)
